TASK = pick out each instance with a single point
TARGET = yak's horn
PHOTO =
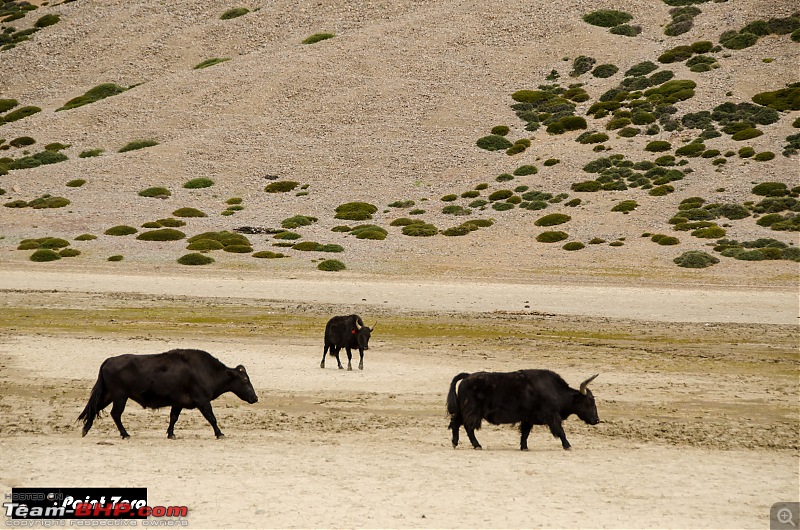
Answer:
(358, 326)
(373, 326)
(586, 383)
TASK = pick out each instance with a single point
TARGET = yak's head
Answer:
(363, 334)
(241, 385)
(585, 407)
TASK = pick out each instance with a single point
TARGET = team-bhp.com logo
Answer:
(87, 504)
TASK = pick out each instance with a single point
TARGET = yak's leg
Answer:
(455, 425)
(349, 358)
(558, 432)
(335, 352)
(324, 353)
(88, 425)
(173, 417)
(361, 360)
(116, 414)
(471, 435)
(208, 414)
(524, 431)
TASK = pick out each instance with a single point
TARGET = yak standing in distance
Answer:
(181, 379)
(527, 397)
(348, 332)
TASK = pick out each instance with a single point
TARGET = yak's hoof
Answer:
(360, 366)
(220, 436)
(322, 364)
(349, 368)
(455, 445)
(171, 437)
(477, 447)
(523, 448)
(84, 433)
(568, 448)
(125, 436)
(341, 367)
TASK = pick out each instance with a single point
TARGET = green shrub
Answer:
(482, 186)
(607, 18)
(522, 171)
(403, 221)
(355, 211)
(737, 41)
(76, 183)
(691, 150)
(45, 255)
(92, 95)
(281, 186)
(711, 232)
(47, 20)
(234, 13)
(641, 69)
(157, 192)
(85, 237)
(605, 70)
(574, 245)
(420, 230)
(402, 204)
(764, 156)
(597, 241)
(20, 113)
(660, 191)
(471, 194)
(52, 243)
(493, 142)
(658, 146)
(746, 134)
(628, 132)
(69, 253)
(7, 104)
(297, 221)
(501, 130)
(625, 207)
(340, 228)
(238, 249)
(269, 255)
(626, 30)
(163, 234)
(590, 138)
(211, 62)
(331, 265)
(478, 203)
(195, 258)
(204, 245)
(317, 37)
(89, 153)
(500, 195)
(617, 123)
(695, 259)
(449, 198)
(455, 209)
(662, 239)
(120, 230)
(456, 231)
(746, 152)
(771, 189)
(586, 186)
(137, 144)
(370, 232)
(198, 183)
(581, 65)
(56, 146)
(115, 257)
(551, 237)
(551, 162)
(22, 141)
(188, 212)
(552, 219)
(572, 123)
(19, 203)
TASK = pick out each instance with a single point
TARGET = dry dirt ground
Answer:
(700, 416)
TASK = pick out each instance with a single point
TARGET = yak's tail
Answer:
(452, 399)
(92, 410)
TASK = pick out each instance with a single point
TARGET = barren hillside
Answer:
(386, 111)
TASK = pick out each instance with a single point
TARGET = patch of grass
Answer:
(281, 186)
(525, 170)
(551, 162)
(552, 237)
(120, 230)
(297, 221)
(204, 245)
(195, 258)
(662, 239)
(493, 142)
(85, 237)
(47, 201)
(115, 257)
(552, 219)
(136, 144)
(581, 65)
(695, 259)
(501, 130)
(625, 206)
(155, 192)
(211, 62)
(591, 137)
(658, 146)
(317, 37)
(449, 197)
(92, 95)
(710, 232)
(420, 230)
(188, 212)
(500, 195)
(234, 13)
(597, 241)
(641, 69)
(22, 141)
(456, 209)
(737, 41)
(52, 243)
(20, 113)
(607, 18)
(69, 253)
(764, 156)
(355, 211)
(691, 150)
(402, 204)
(238, 248)
(574, 245)
(746, 152)
(456, 231)
(90, 153)
(267, 254)
(372, 232)
(163, 234)
(331, 265)
(605, 70)
(75, 183)
(198, 183)
(288, 236)
(626, 30)
(44, 254)
(7, 104)
(771, 189)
